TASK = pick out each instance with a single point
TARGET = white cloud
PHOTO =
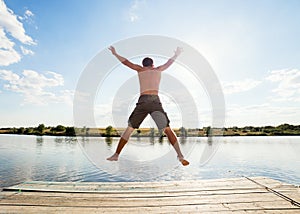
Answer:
(288, 88)
(26, 51)
(133, 17)
(8, 54)
(239, 86)
(5, 43)
(9, 76)
(36, 87)
(66, 96)
(134, 9)
(28, 13)
(9, 24)
(9, 21)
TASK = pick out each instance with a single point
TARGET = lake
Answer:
(27, 158)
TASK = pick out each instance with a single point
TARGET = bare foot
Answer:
(183, 161)
(114, 157)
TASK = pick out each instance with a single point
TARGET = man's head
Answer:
(147, 62)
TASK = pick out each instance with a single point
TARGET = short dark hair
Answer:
(147, 62)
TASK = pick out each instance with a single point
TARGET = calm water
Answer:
(24, 158)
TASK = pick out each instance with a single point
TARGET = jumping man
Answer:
(149, 102)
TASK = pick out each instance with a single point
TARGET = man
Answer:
(149, 102)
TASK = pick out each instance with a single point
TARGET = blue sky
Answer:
(252, 46)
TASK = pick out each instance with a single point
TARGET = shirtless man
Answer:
(148, 103)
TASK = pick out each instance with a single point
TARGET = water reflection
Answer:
(146, 159)
(152, 139)
(39, 139)
(109, 141)
(39, 144)
(58, 140)
(182, 140)
(161, 139)
(70, 140)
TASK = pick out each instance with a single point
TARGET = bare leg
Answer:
(173, 140)
(123, 140)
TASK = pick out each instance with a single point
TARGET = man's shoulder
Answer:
(150, 69)
(145, 69)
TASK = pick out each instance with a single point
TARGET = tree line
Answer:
(41, 129)
(283, 129)
(109, 131)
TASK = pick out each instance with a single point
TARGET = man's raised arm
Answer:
(124, 60)
(177, 52)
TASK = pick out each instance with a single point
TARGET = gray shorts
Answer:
(148, 104)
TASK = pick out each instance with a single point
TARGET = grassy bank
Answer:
(60, 130)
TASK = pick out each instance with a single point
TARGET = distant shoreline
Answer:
(109, 131)
(114, 136)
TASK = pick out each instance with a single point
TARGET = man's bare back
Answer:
(149, 103)
(149, 81)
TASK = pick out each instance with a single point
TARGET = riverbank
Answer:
(281, 130)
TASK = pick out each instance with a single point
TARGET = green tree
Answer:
(21, 130)
(60, 128)
(14, 130)
(70, 131)
(208, 131)
(41, 128)
(28, 130)
(235, 128)
(108, 130)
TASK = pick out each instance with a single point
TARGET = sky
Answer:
(252, 46)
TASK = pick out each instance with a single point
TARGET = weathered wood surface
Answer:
(238, 195)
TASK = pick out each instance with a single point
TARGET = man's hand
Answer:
(124, 60)
(178, 51)
(113, 50)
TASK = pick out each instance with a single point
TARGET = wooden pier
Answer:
(238, 195)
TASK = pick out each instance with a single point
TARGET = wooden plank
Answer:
(205, 196)
(213, 182)
(275, 211)
(283, 190)
(293, 193)
(137, 190)
(128, 202)
(182, 209)
(145, 194)
(263, 204)
(270, 182)
(170, 209)
(115, 187)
